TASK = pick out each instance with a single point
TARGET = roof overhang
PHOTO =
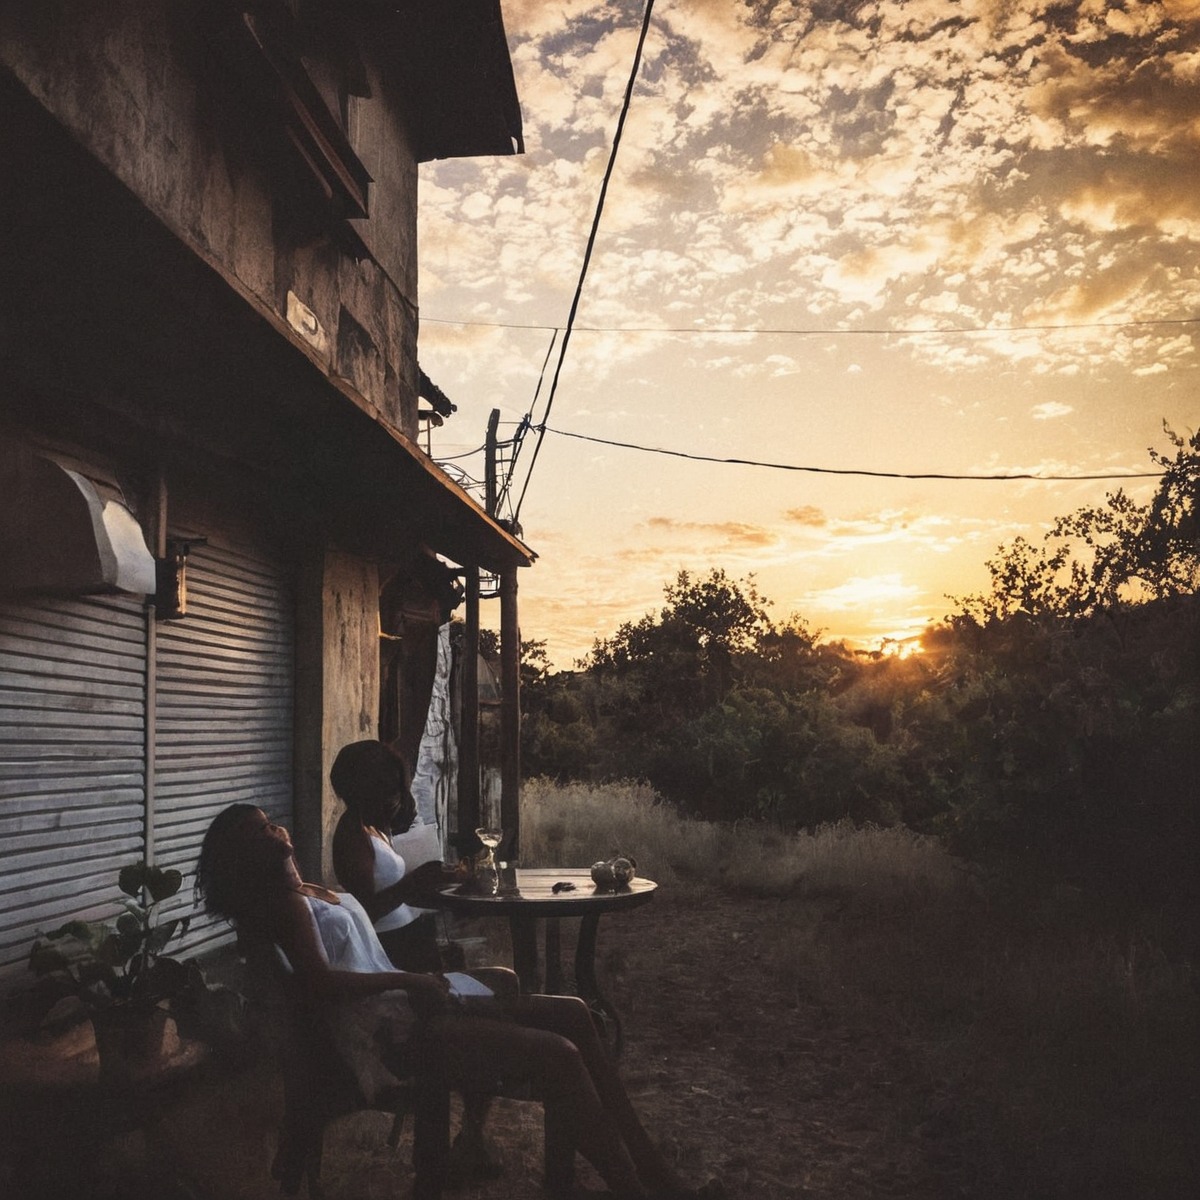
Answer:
(456, 74)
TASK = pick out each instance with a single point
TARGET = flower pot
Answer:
(129, 1040)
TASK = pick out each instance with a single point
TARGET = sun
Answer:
(901, 647)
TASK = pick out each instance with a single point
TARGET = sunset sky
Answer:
(954, 238)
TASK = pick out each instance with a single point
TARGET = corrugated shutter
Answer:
(224, 708)
(72, 760)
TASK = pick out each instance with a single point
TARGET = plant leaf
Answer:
(132, 878)
(43, 959)
(160, 936)
(114, 950)
(80, 930)
(129, 924)
(163, 883)
(166, 978)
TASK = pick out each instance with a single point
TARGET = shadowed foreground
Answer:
(820, 1047)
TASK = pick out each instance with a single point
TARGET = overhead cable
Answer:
(774, 466)
(868, 331)
(587, 254)
(523, 427)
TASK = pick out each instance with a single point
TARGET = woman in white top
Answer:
(372, 781)
(247, 874)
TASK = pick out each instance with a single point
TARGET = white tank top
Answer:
(389, 869)
(357, 1027)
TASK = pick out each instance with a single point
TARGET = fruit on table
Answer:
(613, 873)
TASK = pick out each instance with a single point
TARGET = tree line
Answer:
(1051, 721)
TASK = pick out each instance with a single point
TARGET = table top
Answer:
(535, 896)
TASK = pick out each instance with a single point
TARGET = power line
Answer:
(591, 242)
(871, 331)
(750, 462)
(523, 427)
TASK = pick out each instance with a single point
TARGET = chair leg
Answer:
(559, 1150)
(397, 1131)
(431, 1136)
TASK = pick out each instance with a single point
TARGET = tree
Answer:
(689, 651)
(1104, 556)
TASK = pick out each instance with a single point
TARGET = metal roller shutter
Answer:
(72, 761)
(223, 716)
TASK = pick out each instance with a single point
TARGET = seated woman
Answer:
(372, 781)
(247, 874)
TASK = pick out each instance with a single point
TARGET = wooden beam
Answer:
(510, 714)
(468, 749)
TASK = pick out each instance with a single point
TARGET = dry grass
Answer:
(576, 824)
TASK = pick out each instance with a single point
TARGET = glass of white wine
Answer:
(486, 874)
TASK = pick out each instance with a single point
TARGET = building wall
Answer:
(350, 672)
(134, 82)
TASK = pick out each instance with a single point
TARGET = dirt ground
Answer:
(738, 1075)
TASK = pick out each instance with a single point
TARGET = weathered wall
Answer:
(139, 84)
(350, 672)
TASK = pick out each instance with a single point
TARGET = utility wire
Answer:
(872, 331)
(461, 454)
(749, 462)
(523, 427)
(587, 254)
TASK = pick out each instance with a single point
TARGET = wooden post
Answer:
(510, 713)
(490, 483)
(468, 749)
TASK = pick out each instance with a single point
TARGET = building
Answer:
(214, 499)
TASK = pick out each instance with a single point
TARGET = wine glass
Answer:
(486, 874)
(491, 838)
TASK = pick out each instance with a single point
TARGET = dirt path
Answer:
(757, 1082)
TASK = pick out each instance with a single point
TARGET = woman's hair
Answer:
(227, 880)
(366, 771)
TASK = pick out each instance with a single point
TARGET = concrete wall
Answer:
(141, 85)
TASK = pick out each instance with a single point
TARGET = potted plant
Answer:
(118, 971)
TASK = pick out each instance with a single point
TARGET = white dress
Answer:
(356, 1027)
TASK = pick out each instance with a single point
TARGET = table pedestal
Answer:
(525, 962)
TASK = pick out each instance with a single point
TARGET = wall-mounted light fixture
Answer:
(170, 598)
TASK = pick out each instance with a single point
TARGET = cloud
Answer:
(731, 534)
(808, 514)
(861, 592)
(1050, 411)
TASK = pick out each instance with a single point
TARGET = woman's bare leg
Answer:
(475, 1050)
(569, 1017)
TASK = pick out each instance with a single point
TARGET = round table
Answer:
(535, 898)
